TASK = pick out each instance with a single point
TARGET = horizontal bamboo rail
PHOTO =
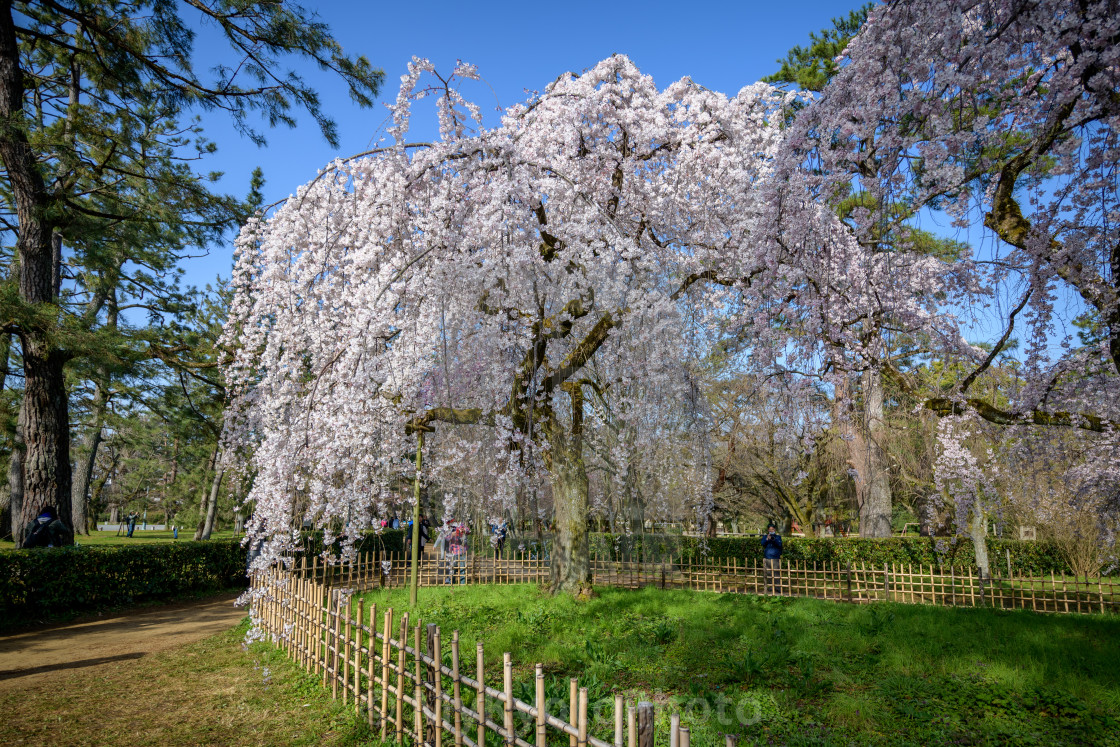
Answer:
(858, 583)
(410, 685)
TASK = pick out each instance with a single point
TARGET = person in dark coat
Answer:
(772, 560)
(46, 530)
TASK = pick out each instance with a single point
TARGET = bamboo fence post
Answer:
(848, 568)
(370, 659)
(507, 688)
(675, 730)
(645, 724)
(971, 588)
(346, 655)
(731, 740)
(438, 656)
(387, 634)
(456, 685)
(431, 673)
(417, 686)
(480, 702)
(685, 736)
(399, 722)
(886, 583)
(542, 728)
(582, 720)
(631, 727)
(358, 658)
(337, 614)
(618, 721)
(573, 707)
(1100, 593)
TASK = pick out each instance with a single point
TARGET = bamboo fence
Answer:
(857, 583)
(411, 686)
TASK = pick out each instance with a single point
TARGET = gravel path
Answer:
(36, 656)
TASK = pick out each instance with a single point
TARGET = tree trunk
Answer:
(977, 528)
(875, 510)
(212, 506)
(46, 464)
(15, 481)
(864, 434)
(84, 472)
(571, 562)
(204, 505)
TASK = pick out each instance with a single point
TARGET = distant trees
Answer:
(101, 197)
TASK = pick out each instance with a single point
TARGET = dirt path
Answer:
(36, 656)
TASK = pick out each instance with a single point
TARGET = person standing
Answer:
(457, 553)
(131, 523)
(772, 560)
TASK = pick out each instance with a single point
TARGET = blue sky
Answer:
(518, 47)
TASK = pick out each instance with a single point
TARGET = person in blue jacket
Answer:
(772, 560)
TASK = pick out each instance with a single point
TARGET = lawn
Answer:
(802, 671)
(138, 537)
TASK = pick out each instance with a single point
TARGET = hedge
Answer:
(1027, 558)
(44, 583)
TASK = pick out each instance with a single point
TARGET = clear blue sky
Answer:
(518, 47)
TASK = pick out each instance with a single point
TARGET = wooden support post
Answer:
(848, 569)
(685, 736)
(675, 730)
(631, 726)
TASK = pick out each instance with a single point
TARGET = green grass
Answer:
(138, 537)
(805, 671)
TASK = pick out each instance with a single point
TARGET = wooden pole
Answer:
(631, 726)
(358, 658)
(403, 639)
(415, 585)
(685, 735)
(675, 730)
(417, 687)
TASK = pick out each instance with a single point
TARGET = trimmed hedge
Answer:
(1027, 558)
(389, 540)
(50, 582)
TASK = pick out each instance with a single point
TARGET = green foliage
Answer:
(1027, 558)
(811, 68)
(42, 583)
